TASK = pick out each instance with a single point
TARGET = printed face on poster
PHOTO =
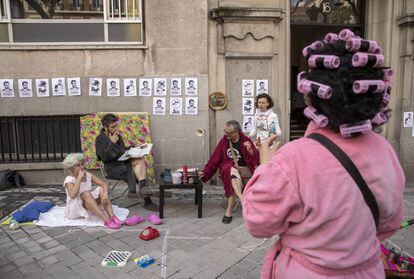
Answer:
(191, 105)
(42, 87)
(247, 124)
(130, 87)
(95, 87)
(58, 86)
(112, 87)
(176, 106)
(262, 86)
(25, 88)
(247, 88)
(248, 106)
(145, 87)
(74, 86)
(6, 88)
(160, 86)
(175, 86)
(408, 119)
(158, 106)
(191, 85)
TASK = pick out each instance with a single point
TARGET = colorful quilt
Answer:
(134, 127)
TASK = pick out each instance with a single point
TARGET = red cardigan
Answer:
(220, 158)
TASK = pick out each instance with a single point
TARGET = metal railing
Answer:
(38, 138)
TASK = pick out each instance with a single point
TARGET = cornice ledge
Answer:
(406, 20)
(249, 14)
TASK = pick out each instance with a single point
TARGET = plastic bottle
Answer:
(185, 174)
(14, 225)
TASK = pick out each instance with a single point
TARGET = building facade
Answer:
(221, 43)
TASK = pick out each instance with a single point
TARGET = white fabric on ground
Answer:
(55, 218)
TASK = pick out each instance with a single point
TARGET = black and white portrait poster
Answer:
(158, 107)
(6, 88)
(176, 106)
(25, 88)
(95, 87)
(247, 124)
(42, 87)
(191, 85)
(191, 105)
(247, 88)
(145, 87)
(58, 86)
(130, 87)
(74, 86)
(262, 86)
(112, 87)
(175, 86)
(408, 119)
(160, 86)
(248, 106)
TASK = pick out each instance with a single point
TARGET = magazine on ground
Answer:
(136, 152)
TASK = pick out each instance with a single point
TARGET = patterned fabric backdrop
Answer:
(134, 127)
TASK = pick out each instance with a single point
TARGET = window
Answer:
(71, 21)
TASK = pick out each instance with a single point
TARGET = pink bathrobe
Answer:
(306, 196)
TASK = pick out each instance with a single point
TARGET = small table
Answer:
(198, 195)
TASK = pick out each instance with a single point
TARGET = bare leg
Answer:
(90, 204)
(230, 205)
(140, 168)
(237, 183)
(106, 203)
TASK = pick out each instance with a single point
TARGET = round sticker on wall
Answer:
(217, 101)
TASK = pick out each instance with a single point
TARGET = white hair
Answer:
(71, 160)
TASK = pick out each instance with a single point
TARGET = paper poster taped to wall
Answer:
(262, 86)
(112, 87)
(247, 106)
(74, 86)
(175, 86)
(176, 106)
(145, 87)
(130, 87)
(408, 119)
(158, 106)
(95, 87)
(247, 88)
(6, 88)
(160, 85)
(58, 86)
(247, 124)
(191, 105)
(42, 87)
(191, 85)
(25, 88)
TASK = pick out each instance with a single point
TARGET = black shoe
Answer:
(226, 219)
(144, 191)
(152, 207)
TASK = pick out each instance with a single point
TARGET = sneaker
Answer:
(116, 220)
(111, 224)
(151, 207)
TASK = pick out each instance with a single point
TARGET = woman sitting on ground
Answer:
(81, 200)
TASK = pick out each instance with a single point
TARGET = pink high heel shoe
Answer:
(154, 219)
(111, 224)
(116, 220)
(133, 220)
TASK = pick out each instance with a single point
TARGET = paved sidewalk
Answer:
(187, 248)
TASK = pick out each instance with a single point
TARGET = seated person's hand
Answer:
(201, 174)
(143, 145)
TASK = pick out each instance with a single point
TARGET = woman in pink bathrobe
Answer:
(302, 193)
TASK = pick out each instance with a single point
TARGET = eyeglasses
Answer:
(229, 133)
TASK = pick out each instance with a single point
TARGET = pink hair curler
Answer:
(371, 86)
(378, 50)
(362, 59)
(299, 78)
(324, 61)
(317, 45)
(321, 90)
(346, 34)
(355, 45)
(385, 99)
(388, 73)
(320, 119)
(379, 118)
(331, 38)
(348, 129)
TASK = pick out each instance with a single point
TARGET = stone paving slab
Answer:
(188, 247)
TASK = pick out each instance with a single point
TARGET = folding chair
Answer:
(113, 183)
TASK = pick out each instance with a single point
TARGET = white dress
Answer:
(74, 208)
(265, 124)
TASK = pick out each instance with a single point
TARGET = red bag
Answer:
(149, 233)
